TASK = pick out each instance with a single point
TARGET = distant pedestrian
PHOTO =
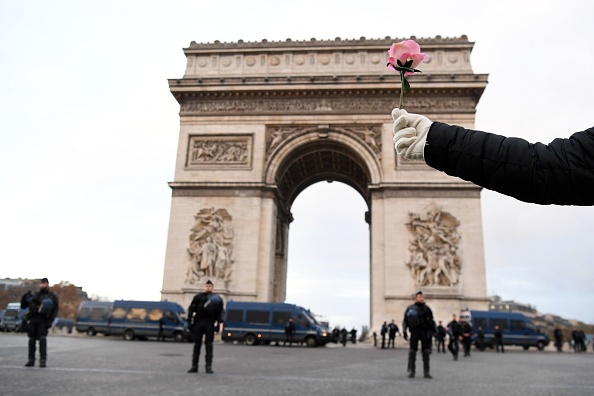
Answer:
(393, 330)
(343, 336)
(375, 339)
(558, 334)
(353, 336)
(440, 338)
(43, 309)
(336, 335)
(480, 339)
(161, 335)
(383, 333)
(498, 333)
(583, 340)
(466, 330)
(454, 336)
(289, 332)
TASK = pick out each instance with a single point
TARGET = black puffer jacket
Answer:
(560, 173)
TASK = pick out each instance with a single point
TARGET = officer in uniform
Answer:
(206, 309)
(43, 309)
(418, 317)
(466, 330)
(454, 331)
(440, 337)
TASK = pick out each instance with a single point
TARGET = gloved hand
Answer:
(217, 328)
(405, 336)
(410, 133)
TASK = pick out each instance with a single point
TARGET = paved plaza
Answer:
(80, 365)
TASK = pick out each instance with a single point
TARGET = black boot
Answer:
(195, 356)
(209, 358)
(426, 353)
(31, 361)
(42, 351)
(412, 357)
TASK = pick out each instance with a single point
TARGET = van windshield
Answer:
(11, 314)
(310, 318)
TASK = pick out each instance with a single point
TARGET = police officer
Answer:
(454, 332)
(466, 330)
(206, 309)
(43, 309)
(440, 337)
(289, 332)
(392, 331)
(419, 319)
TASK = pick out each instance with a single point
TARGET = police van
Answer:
(517, 328)
(13, 319)
(132, 319)
(258, 322)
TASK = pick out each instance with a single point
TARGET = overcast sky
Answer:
(89, 137)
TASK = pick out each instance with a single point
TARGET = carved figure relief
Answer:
(292, 106)
(210, 247)
(370, 134)
(434, 258)
(219, 150)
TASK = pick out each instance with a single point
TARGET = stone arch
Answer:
(322, 155)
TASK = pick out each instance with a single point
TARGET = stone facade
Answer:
(260, 122)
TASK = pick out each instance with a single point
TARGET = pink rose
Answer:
(403, 52)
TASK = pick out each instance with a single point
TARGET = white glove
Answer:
(410, 134)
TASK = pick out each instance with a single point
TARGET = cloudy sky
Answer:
(89, 136)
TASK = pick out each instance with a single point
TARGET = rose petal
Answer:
(397, 49)
(412, 46)
(417, 59)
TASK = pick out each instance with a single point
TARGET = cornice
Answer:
(440, 41)
(388, 80)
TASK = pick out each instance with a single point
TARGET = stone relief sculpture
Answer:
(211, 151)
(210, 246)
(371, 135)
(297, 106)
(434, 259)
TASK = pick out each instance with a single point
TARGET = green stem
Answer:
(401, 89)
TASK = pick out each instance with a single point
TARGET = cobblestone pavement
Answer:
(80, 365)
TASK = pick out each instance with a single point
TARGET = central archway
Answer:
(312, 155)
(328, 254)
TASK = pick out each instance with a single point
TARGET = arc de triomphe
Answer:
(262, 121)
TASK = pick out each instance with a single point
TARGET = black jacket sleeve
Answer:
(55, 307)
(560, 173)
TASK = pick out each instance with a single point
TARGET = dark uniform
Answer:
(558, 339)
(440, 336)
(419, 319)
(43, 309)
(454, 331)
(480, 339)
(383, 333)
(206, 309)
(498, 339)
(466, 330)
(393, 330)
(289, 332)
